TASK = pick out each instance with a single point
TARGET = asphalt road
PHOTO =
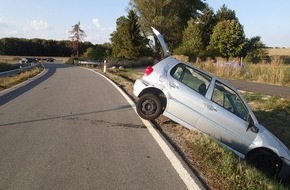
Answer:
(274, 90)
(71, 129)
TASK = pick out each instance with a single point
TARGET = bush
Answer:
(140, 62)
(7, 67)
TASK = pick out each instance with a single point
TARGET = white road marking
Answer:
(175, 162)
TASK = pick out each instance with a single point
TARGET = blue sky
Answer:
(268, 19)
(54, 18)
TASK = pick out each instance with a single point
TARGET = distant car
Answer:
(50, 59)
(28, 60)
(203, 102)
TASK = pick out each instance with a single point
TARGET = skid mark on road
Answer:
(112, 124)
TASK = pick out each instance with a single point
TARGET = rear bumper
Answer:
(139, 86)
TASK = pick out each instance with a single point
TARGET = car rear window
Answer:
(191, 77)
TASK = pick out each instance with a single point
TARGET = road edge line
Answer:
(175, 162)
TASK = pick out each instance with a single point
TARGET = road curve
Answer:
(273, 90)
(71, 129)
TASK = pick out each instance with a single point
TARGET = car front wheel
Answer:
(265, 161)
(149, 107)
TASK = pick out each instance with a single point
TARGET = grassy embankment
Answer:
(7, 82)
(220, 168)
(9, 63)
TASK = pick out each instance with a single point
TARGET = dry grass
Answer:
(279, 51)
(7, 82)
(220, 168)
(9, 59)
(274, 73)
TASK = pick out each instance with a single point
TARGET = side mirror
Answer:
(252, 126)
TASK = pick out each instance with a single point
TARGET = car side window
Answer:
(229, 100)
(177, 71)
(191, 77)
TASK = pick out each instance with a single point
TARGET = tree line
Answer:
(190, 27)
(38, 47)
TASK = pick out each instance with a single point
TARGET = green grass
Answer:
(220, 168)
(229, 171)
(272, 112)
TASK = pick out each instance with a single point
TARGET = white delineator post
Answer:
(105, 66)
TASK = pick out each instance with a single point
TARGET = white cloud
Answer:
(3, 24)
(12, 33)
(37, 25)
(97, 23)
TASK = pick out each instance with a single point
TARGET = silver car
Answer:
(203, 102)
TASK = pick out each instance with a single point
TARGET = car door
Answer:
(187, 87)
(226, 118)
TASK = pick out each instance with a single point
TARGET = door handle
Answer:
(173, 85)
(210, 107)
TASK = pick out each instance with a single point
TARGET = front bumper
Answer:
(285, 170)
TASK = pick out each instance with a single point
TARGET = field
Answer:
(16, 59)
(276, 72)
(282, 53)
(279, 51)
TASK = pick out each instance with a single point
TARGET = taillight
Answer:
(148, 71)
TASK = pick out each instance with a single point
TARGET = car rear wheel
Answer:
(265, 161)
(149, 107)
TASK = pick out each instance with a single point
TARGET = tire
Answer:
(266, 161)
(149, 107)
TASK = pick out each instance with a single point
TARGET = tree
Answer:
(228, 39)
(169, 17)
(120, 38)
(206, 22)
(127, 41)
(225, 14)
(255, 50)
(77, 35)
(35, 47)
(138, 41)
(191, 41)
(96, 53)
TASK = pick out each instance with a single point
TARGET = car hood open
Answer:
(162, 42)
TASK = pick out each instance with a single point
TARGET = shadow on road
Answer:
(51, 69)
